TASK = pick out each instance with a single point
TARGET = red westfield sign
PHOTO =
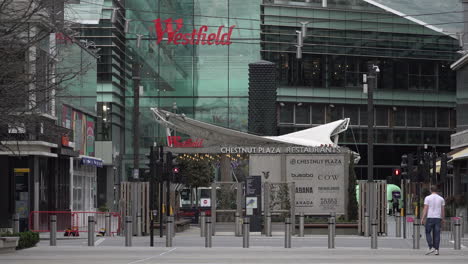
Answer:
(199, 36)
(174, 141)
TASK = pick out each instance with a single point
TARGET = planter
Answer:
(8, 244)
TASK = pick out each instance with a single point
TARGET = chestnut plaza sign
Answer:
(321, 183)
(166, 29)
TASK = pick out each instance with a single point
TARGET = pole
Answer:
(139, 224)
(416, 233)
(16, 228)
(403, 210)
(266, 207)
(331, 232)
(108, 225)
(136, 136)
(457, 237)
(398, 225)
(169, 231)
(53, 230)
(91, 229)
(246, 231)
(370, 135)
(268, 225)
(202, 224)
(237, 231)
(287, 233)
(208, 234)
(301, 224)
(128, 231)
(213, 208)
(462, 225)
(161, 186)
(374, 234)
(366, 224)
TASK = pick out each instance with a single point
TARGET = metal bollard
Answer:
(301, 225)
(287, 233)
(108, 225)
(457, 235)
(128, 231)
(169, 223)
(16, 223)
(331, 232)
(91, 230)
(209, 233)
(398, 225)
(462, 225)
(366, 224)
(138, 226)
(268, 225)
(53, 230)
(374, 234)
(202, 224)
(416, 233)
(246, 231)
(237, 231)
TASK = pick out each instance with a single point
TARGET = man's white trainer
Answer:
(430, 251)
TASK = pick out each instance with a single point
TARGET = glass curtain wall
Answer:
(205, 82)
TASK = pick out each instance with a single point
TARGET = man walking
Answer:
(432, 217)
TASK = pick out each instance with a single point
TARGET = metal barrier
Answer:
(331, 232)
(374, 234)
(301, 225)
(457, 234)
(238, 225)
(169, 228)
(202, 224)
(416, 233)
(53, 230)
(208, 234)
(16, 228)
(398, 225)
(91, 226)
(74, 223)
(246, 231)
(268, 232)
(287, 233)
(128, 231)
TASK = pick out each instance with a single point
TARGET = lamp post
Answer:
(371, 85)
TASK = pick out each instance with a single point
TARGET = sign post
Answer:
(253, 201)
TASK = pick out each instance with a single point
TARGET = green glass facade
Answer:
(415, 94)
(206, 82)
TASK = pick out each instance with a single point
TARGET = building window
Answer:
(428, 117)
(443, 117)
(318, 114)
(302, 114)
(286, 113)
(381, 116)
(399, 116)
(352, 112)
(413, 117)
(335, 112)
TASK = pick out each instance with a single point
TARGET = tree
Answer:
(196, 173)
(32, 73)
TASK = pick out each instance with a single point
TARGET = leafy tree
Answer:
(195, 173)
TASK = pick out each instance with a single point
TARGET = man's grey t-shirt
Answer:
(435, 203)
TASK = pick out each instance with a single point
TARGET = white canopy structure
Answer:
(212, 134)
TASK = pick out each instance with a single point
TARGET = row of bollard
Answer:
(207, 230)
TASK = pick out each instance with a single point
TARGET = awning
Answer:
(86, 160)
(458, 154)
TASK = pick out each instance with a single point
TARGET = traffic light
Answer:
(410, 173)
(444, 166)
(171, 166)
(154, 164)
(404, 166)
(396, 172)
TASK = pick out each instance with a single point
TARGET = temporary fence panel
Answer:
(142, 203)
(73, 222)
(380, 200)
